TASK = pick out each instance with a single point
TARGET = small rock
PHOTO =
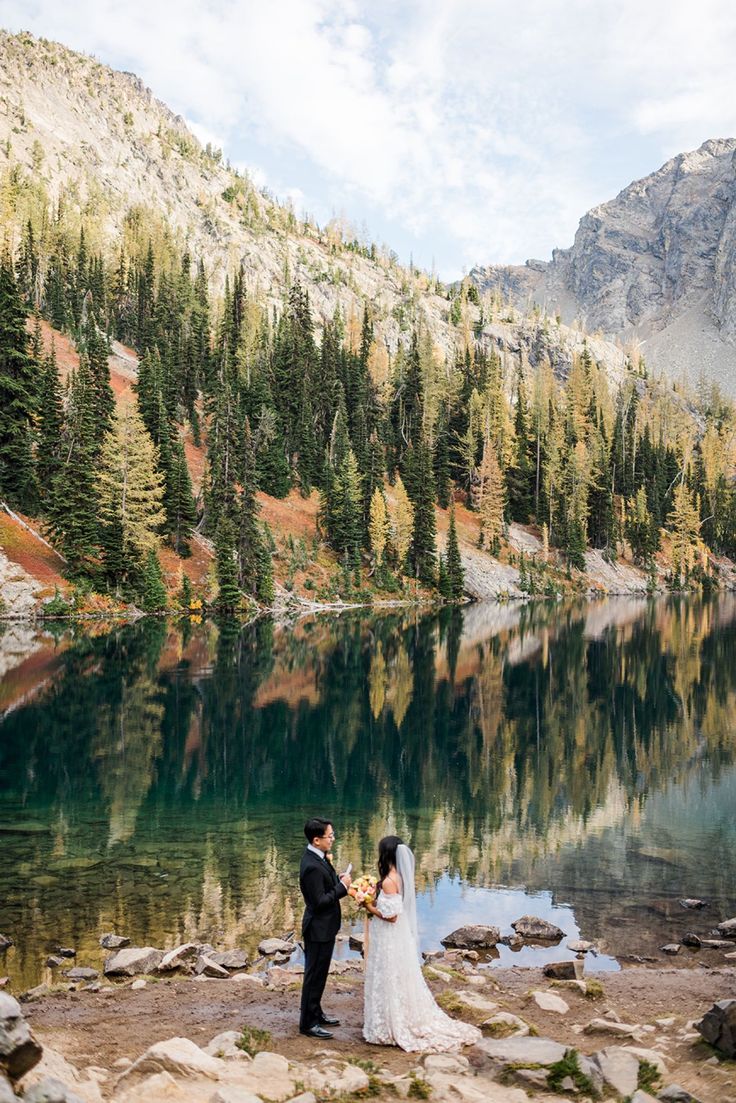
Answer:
(5, 942)
(580, 946)
(93, 986)
(51, 1090)
(475, 1001)
(230, 959)
(271, 946)
(671, 948)
(531, 926)
(179, 957)
(53, 962)
(304, 1097)
(19, 1050)
(505, 1025)
(66, 951)
(605, 1026)
(693, 903)
(716, 944)
(521, 1051)
(231, 1093)
(612, 1015)
(691, 939)
(226, 1045)
(178, 1056)
(729, 957)
(666, 1023)
(640, 1096)
(113, 941)
(651, 1056)
(122, 1063)
(619, 1069)
(718, 1027)
(357, 942)
(728, 928)
(446, 1062)
(513, 941)
(81, 972)
(207, 967)
(248, 978)
(132, 960)
(351, 1080)
(673, 1093)
(137, 985)
(547, 1001)
(560, 970)
(473, 937)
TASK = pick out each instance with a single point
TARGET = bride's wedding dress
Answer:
(399, 1007)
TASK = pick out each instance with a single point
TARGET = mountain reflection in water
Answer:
(155, 780)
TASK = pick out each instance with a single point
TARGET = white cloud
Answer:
(482, 130)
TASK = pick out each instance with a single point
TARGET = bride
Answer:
(399, 1007)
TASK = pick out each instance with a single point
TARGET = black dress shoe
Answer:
(318, 1032)
(327, 1020)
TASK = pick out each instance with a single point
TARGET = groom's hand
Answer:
(346, 880)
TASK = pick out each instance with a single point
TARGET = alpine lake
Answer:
(572, 762)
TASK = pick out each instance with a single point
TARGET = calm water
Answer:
(577, 764)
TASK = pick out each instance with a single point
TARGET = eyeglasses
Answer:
(330, 835)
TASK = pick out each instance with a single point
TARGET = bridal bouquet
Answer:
(363, 889)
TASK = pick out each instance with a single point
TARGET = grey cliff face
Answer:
(657, 265)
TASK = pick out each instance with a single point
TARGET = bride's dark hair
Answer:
(386, 857)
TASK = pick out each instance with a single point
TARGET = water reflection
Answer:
(157, 780)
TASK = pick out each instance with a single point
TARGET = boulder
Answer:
(560, 970)
(53, 1066)
(270, 946)
(619, 1069)
(580, 946)
(446, 1062)
(475, 1001)
(19, 1050)
(513, 941)
(231, 1093)
(718, 1027)
(548, 1001)
(180, 956)
(693, 903)
(671, 948)
(53, 961)
(728, 928)
(51, 1090)
(159, 1087)
(5, 942)
(81, 972)
(691, 939)
(206, 967)
(347, 1080)
(520, 1052)
(649, 1055)
(132, 960)
(640, 1096)
(66, 951)
(7, 1095)
(113, 941)
(357, 942)
(137, 985)
(473, 937)
(177, 1056)
(230, 959)
(531, 926)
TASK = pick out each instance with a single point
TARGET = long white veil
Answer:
(405, 870)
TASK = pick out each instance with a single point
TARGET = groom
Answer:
(322, 890)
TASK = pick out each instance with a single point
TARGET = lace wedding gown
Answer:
(399, 1008)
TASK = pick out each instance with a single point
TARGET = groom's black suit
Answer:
(322, 891)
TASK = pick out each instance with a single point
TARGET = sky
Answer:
(457, 133)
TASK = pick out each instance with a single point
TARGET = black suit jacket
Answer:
(322, 891)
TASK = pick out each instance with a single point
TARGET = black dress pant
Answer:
(317, 958)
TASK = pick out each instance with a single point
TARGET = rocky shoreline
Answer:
(166, 1026)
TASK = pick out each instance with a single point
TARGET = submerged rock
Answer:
(270, 946)
(531, 926)
(718, 1027)
(473, 937)
(693, 903)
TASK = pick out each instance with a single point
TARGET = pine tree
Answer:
(72, 507)
(639, 527)
(423, 550)
(154, 596)
(443, 580)
(229, 597)
(455, 572)
(181, 512)
(130, 485)
(18, 396)
(50, 427)
(250, 539)
(95, 348)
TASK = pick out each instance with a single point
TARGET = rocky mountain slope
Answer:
(73, 127)
(654, 267)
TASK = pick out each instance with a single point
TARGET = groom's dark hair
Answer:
(315, 828)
